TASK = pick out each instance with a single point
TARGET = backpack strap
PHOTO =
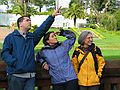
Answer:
(96, 51)
(76, 53)
(90, 48)
(93, 51)
(81, 62)
(95, 61)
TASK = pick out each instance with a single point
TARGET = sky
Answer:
(63, 3)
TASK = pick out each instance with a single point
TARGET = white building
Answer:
(60, 21)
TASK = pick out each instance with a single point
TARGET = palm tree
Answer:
(75, 11)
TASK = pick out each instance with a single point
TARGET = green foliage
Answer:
(99, 4)
(111, 6)
(108, 21)
(33, 28)
(4, 2)
(117, 16)
(19, 9)
(45, 13)
(91, 19)
(75, 11)
(41, 3)
(93, 26)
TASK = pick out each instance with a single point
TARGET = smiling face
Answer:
(88, 40)
(52, 39)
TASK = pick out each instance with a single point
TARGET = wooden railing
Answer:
(110, 81)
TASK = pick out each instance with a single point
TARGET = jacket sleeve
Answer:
(6, 53)
(40, 58)
(75, 61)
(40, 31)
(71, 37)
(101, 61)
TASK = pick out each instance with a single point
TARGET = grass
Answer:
(0, 45)
(110, 45)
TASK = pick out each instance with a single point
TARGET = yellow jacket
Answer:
(87, 75)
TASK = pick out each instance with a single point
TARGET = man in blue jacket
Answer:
(54, 56)
(18, 52)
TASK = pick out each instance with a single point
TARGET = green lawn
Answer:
(110, 45)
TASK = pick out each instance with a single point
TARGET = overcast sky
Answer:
(63, 3)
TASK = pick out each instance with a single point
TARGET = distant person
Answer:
(55, 58)
(88, 62)
(18, 52)
(12, 26)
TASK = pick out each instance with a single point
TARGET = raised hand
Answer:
(56, 12)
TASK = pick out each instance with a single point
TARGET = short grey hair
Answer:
(82, 36)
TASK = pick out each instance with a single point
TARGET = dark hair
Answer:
(20, 19)
(46, 37)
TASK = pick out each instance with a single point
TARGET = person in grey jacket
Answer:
(18, 52)
(55, 58)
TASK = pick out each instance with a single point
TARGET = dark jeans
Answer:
(17, 83)
(69, 85)
(96, 87)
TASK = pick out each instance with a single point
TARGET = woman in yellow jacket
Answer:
(91, 69)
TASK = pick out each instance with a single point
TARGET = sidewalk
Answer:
(4, 31)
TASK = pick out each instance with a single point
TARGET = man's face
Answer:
(89, 39)
(52, 39)
(26, 23)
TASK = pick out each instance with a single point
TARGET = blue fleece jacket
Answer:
(57, 57)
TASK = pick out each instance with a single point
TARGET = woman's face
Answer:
(52, 39)
(89, 39)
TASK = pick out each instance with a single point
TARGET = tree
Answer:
(75, 11)
(22, 7)
(41, 3)
(4, 2)
(117, 16)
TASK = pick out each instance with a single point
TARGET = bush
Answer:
(117, 16)
(93, 26)
(108, 21)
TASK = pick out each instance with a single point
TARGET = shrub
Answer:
(108, 21)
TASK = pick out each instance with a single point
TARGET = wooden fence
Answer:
(110, 81)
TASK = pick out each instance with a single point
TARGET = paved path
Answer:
(4, 32)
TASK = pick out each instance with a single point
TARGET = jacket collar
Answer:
(53, 46)
(91, 48)
(17, 33)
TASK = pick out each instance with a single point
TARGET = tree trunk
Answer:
(24, 4)
(40, 8)
(75, 21)
(25, 8)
